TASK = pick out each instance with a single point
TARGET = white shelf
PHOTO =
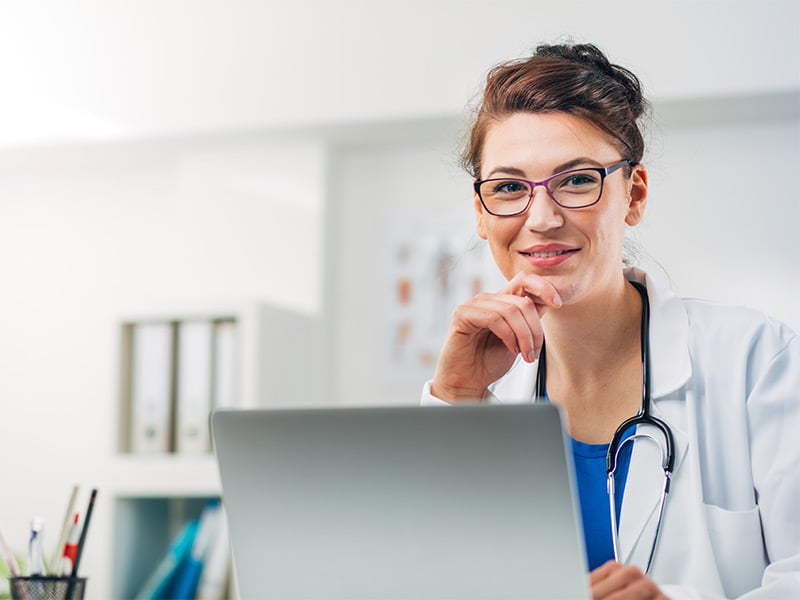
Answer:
(164, 475)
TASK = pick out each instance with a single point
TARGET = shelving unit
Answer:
(154, 494)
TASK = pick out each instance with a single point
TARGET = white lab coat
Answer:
(727, 382)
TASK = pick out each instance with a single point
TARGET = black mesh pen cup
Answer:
(47, 587)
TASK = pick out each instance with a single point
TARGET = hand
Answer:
(615, 581)
(486, 334)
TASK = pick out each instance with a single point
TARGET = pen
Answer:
(82, 540)
(55, 563)
(70, 548)
(35, 553)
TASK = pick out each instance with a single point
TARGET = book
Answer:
(151, 391)
(187, 578)
(158, 584)
(193, 393)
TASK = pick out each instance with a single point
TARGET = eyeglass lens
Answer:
(573, 189)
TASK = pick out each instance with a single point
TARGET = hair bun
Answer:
(592, 57)
(587, 54)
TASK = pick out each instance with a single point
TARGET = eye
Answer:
(578, 181)
(509, 187)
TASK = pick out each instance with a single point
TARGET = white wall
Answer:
(722, 216)
(91, 69)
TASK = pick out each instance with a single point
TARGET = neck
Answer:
(594, 361)
(586, 342)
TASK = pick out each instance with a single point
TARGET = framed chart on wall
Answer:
(431, 266)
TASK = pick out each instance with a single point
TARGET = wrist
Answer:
(456, 394)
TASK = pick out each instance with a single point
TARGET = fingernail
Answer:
(557, 301)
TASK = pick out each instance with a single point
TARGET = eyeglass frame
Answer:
(603, 171)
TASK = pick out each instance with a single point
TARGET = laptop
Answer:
(401, 503)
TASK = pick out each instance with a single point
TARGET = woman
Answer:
(556, 155)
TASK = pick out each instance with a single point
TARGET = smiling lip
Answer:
(548, 255)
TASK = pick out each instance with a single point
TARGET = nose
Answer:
(543, 213)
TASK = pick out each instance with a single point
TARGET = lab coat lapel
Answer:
(670, 363)
(671, 368)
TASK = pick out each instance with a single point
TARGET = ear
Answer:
(637, 196)
(480, 217)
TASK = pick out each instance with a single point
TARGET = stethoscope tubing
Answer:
(642, 417)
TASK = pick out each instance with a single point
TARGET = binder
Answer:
(225, 364)
(193, 394)
(214, 579)
(151, 387)
(194, 564)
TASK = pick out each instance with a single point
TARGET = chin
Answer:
(570, 290)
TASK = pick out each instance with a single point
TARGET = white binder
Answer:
(151, 389)
(214, 579)
(193, 395)
(225, 364)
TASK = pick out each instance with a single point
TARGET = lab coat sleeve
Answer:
(429, 399)
(773, 407)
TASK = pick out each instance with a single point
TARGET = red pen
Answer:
(71, 547)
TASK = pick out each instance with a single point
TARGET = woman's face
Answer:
(578, 250)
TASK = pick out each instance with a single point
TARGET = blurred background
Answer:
(293, 167)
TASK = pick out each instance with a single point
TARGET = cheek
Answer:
(501, 232)
(610, 230)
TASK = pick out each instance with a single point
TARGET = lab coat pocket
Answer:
(738, 547)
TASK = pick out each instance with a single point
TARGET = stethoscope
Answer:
(642, 417)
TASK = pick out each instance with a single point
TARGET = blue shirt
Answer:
(590, 475)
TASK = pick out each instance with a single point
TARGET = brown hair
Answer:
(576, 79)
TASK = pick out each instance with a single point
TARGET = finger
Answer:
(603, 571)
(471, 319)
(528, 329)
(539, 289)
(617, 578)
(619, 582)
(529, 333)
(643, 588)
(529, 345)
(512, 319)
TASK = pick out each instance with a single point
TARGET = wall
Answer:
(720, 223)
(721, 220)
(90, 236)
(94, 70)
(139, 209)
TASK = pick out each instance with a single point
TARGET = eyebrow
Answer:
(566, 166)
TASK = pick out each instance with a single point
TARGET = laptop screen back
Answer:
(468, 502)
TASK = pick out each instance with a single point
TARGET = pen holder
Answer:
(47, 587)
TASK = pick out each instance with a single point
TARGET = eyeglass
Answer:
(576, 188)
